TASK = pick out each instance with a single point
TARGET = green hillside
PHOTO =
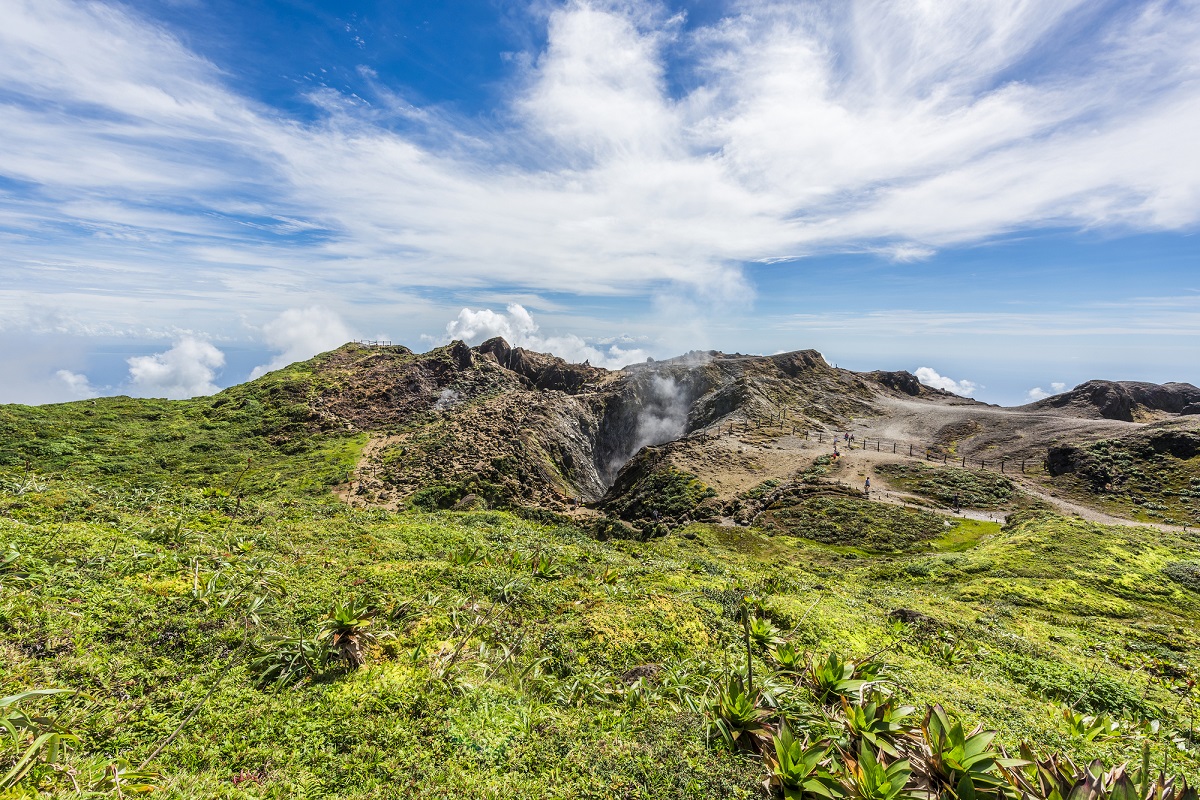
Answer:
(235, 632)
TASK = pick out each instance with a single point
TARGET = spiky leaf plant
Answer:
(963, 764)
(737, 717)
(867, 777)
(288, 660)
(878, 720)
(347, 631)
(800, 770)
(764, 634)
(836, 678)
(1057, 777)
(787, 658)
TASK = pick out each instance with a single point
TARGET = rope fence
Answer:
(906, 449)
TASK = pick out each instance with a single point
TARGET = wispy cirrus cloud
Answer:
(632, 153)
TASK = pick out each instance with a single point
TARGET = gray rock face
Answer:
(1124, 400)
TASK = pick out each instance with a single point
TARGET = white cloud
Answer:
(77, 384)
(186, 370)
(301, 333)
(1038, 393)
(897, 128)
(930, 377)
(519, 329)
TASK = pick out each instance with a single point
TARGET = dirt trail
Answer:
(861, 463)
(737, 463)
(364, 481)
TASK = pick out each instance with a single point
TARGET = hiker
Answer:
(868, 485)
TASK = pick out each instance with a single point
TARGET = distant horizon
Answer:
(925, 375)
(1003, 196)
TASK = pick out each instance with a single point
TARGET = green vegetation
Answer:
(666, 493)
(263, 434)
(850, 521)
(1153, 477)
(217, 631)
(951, 487)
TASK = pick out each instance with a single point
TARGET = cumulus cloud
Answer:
(1038, 393)
(519, 329)
(930, 377)
(898, 128)
(77, 384)
(188, 369)
(301, 333)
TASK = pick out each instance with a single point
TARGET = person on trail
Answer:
(868, 485)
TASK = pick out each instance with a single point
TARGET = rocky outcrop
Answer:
(900, 381)
(543, 371)
(1128, 401)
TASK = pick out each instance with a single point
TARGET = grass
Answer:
(263, 434)
(1047, 609)
(835, 519)
(150, 576)
(964, 535)
(952, 487)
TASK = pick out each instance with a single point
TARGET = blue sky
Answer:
(1003, 194)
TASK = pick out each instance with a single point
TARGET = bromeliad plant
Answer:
(347, 631)
(737, 716)
(1088, 727)
(1057, 777)
(963, 764)
(787, 658)
(764, 633)
(287, 661)
(879, 721)
(800, 770)
(467, 556)
(545, 569)
(834, 678)
(869, 778)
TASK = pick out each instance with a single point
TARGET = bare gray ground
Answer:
(733, 464)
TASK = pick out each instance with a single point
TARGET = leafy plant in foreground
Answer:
(737, 717)
(1089, 727)
(878, 720)
(964, 764)
(545, 569)
(787, 657)
(836, 678)
(868, 778)
(1057, 777)
(799, 770)
(47, 735)
(764, 633)
(347, 631)
(288, 661)
(467, 557)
